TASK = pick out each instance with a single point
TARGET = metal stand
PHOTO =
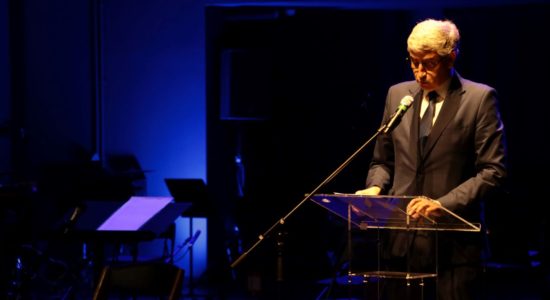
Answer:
(191, 281)
(188, 245)
(308, 196)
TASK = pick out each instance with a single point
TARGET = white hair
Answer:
(434, 35)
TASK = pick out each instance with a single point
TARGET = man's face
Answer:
(431, 70)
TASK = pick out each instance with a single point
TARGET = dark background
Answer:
(105, 99)
(308, 85)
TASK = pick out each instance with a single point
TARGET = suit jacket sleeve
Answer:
(382, 165)
(489, 156)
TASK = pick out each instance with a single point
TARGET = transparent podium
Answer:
(389, 213)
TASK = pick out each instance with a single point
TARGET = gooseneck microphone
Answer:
(394, 120)
(404, 105)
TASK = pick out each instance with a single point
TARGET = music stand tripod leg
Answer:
(191, 283)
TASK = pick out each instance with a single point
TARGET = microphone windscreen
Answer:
(407, 100)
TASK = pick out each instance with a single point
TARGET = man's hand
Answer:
(423, 206)
(371, 191)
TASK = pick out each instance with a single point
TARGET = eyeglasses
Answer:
(428, 64)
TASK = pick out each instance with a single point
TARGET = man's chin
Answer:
(424, 85)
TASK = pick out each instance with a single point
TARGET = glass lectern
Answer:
(388, 212)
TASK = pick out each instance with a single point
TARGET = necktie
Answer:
(427, 119)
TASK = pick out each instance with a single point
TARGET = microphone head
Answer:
(407, 100)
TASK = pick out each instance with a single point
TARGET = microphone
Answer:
(398, 114)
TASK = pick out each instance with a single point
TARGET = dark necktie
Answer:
(427, 119)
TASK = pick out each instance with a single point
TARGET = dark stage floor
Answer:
(42, 276)
(501, 283)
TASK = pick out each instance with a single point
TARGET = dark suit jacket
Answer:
(464, 158)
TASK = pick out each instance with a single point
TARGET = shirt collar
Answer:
(441, 90)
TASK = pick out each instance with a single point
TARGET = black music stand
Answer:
(101, 222)
(112, 220)
(388, 212)
(192, 191)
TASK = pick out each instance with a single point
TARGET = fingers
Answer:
(371, 191)
(421, 206)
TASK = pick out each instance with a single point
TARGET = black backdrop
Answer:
(293, 91)
(500, 48)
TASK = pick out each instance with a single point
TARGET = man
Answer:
(451, 152)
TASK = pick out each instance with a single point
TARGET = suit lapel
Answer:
(446, 114)
(417, 92)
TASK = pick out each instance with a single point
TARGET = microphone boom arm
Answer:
(308, 196)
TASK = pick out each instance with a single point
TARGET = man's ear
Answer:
(450, 59)
(453, 55)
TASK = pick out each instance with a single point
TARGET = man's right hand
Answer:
(371, 191)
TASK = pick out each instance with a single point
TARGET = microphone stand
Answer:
(386, 128)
